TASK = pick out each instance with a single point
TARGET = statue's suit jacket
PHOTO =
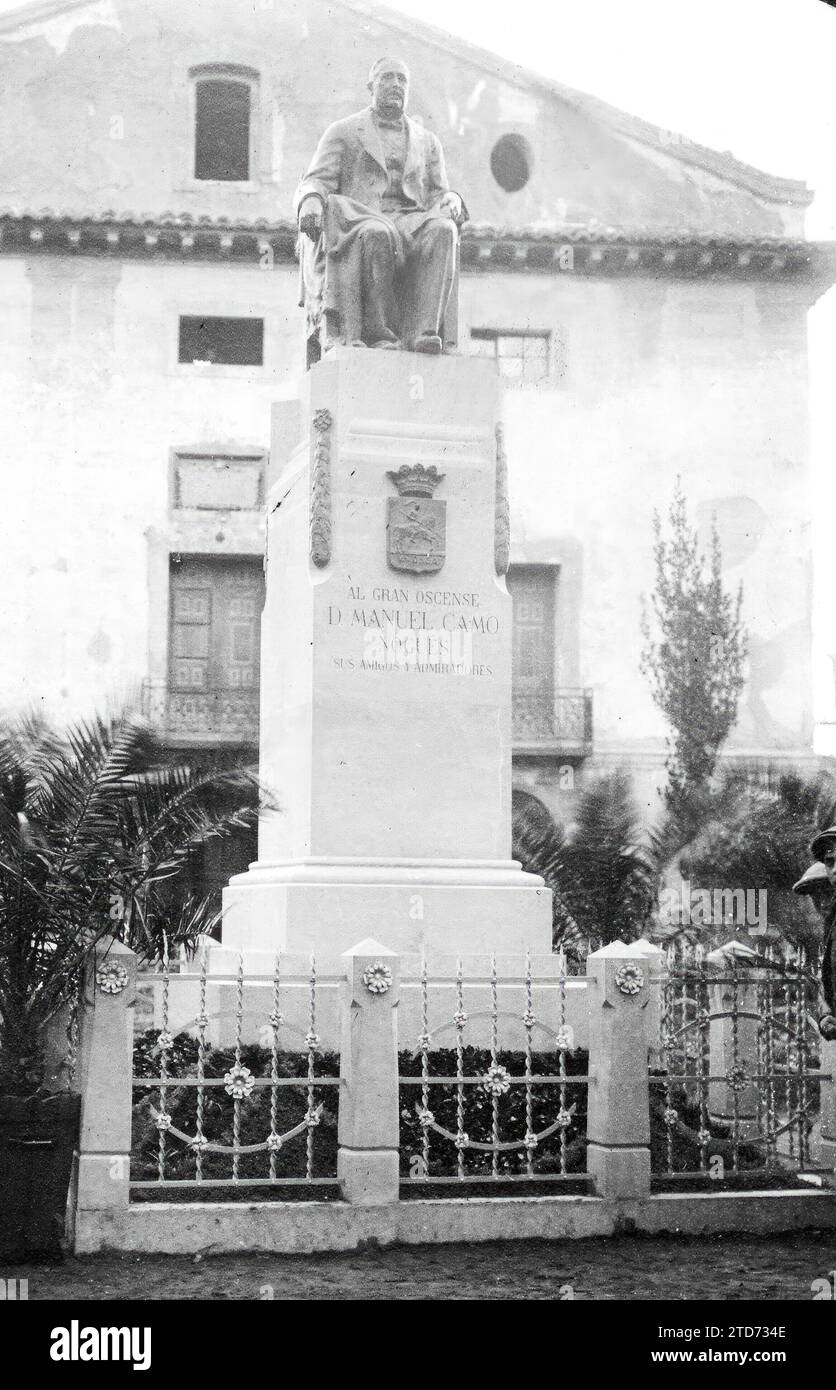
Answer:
(350, 161)
(348, 173)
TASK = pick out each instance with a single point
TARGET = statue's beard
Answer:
(391, 105)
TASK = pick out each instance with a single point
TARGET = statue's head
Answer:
(389, 86)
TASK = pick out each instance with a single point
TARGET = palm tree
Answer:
(602, 877)
(96, 834)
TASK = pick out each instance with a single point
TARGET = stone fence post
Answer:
(733, 1037)
(618, 1118)
(104, 1070)
(369, 1122)
(657, 971)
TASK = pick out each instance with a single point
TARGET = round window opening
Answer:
(511, 162)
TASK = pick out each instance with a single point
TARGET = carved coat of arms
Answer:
(416, 524)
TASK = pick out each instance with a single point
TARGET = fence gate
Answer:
(735, 1085)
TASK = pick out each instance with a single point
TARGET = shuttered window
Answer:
(214, 647)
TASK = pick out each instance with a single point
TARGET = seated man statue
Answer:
(379, 228)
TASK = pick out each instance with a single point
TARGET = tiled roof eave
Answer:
(588, 250)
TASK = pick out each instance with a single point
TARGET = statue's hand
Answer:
(310, 218)
(451, 205)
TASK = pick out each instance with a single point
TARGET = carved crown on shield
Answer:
(414, 480)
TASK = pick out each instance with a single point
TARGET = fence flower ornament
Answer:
(112, 977)
(737, 1078)
(497, 1080)
(274, 1143)
(426, 1118)
(377, 977)
(629, 978)
(238, 1082)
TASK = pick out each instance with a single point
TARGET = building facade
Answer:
(645, 301)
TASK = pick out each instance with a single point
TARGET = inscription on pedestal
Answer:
(424, 630)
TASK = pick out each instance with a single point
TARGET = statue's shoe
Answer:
(428, 342)
(393, 345)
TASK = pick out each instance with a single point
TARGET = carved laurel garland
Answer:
(502, 518)
(320, 529)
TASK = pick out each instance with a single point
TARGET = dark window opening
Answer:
(235, 342)
(222, 129)
(209, 867)
(511, 162)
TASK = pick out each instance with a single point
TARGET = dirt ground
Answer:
(730, 1268)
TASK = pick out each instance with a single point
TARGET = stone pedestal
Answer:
(386, 672)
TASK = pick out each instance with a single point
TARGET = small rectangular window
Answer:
(222, 130)
(522, 357)
(233, 342)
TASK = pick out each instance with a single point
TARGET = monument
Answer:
(379, 229)
(386, 634)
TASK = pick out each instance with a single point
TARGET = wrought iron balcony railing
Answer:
(212, 716)
(559, 725)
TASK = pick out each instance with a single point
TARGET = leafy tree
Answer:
(96, 833)
(756, 835)
(696, 662)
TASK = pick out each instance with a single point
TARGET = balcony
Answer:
(560, 726)
(214, 717)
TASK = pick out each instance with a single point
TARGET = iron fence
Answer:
(498, 1109)
(735, 1089)
(223, 1100)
